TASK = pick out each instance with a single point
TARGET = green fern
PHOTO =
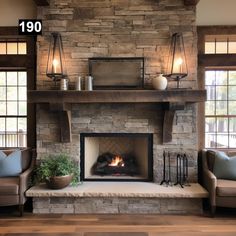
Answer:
(57, 165)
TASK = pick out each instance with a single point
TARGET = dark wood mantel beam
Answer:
(42, 2)
(60, 102)
(191, 2)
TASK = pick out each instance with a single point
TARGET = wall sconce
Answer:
(56, 68)
(177, 65)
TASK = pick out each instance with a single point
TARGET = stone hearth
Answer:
(119, 198)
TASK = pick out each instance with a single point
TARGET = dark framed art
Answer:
(117, 72)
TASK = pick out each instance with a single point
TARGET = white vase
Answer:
(159, 82)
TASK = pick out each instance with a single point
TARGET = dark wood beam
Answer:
(60, 101)
(42, 2)
(116, 96)
(217, 60)
(22, 61)
(191, 2)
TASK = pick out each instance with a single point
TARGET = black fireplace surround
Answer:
(116, 157)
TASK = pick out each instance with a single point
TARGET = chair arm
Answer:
(210, 182)
(25, 178)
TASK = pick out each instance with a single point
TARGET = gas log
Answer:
(112, 164)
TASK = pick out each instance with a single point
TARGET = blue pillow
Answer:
(224, 166)
(10, 165)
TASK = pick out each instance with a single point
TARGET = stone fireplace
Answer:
(118, 28)
(116, 157)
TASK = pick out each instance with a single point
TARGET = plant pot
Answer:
(59, 182)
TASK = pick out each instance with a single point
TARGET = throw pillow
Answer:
(224, 166)
(10, 165)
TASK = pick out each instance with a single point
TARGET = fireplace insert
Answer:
(116, 157)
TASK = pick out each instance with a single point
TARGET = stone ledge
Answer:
(121, 189)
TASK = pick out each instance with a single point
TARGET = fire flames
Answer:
(117, 161)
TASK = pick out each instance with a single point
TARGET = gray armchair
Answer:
(222, 192)
(12, 189)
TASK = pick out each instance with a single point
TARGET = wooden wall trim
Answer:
(221, 60)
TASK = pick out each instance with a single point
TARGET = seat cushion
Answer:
(9, 186)
(226, 188)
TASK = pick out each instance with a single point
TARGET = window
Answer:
(12, 48)
(13, 108)
(220, 109)
(17, 75)
(217, 74)
(218, 44)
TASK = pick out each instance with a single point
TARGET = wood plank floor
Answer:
(116, 225)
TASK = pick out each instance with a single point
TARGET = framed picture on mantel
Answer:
(117, 72)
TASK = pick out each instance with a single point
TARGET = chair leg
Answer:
(21, 210)
(213, 210)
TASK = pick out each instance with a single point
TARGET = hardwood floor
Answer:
(116, 225)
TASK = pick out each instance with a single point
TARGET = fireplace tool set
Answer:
(181, 170)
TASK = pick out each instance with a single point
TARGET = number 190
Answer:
(30, 26)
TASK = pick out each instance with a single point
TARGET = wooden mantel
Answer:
(60, 101)
(116, 96)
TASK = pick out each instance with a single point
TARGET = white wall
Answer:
(216, 12)
(12, 10)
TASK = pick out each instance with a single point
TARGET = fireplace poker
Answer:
(164, 170)
(169, 172)
(185, 175)
(179, 171)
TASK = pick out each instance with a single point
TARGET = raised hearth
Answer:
(118, 198)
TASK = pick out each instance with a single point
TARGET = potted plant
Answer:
(58, 171)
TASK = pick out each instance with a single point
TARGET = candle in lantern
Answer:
(179, 63)
(54, 65)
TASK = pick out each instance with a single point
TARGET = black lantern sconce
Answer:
(177, 65)
(56, 68)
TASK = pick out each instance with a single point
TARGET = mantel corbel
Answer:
(64, 112)
(170, 110)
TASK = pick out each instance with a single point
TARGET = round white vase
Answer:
(159, 82)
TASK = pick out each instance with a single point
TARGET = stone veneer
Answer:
(118, 28)
(116, 205)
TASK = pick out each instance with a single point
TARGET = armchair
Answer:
(12, 189)
(222, 192)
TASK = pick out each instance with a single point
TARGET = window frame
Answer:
(26, 62)
(211, 62)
